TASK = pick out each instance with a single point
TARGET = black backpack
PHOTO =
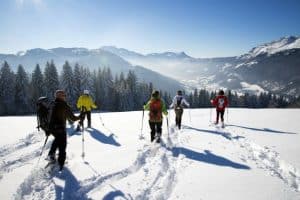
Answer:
(178, 103)
(44, 111)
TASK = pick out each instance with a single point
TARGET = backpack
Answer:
(221, 102)
(155, 110)
(44, 111)
(178, 103)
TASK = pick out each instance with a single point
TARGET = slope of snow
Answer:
(253, 88)
(282, 44)
(256, 156)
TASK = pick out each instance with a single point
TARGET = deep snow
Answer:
(256, 156)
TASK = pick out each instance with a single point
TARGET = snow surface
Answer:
(282, 44)
(256, 156)
(251, 88)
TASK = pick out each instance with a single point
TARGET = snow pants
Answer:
(220, 113)
(155, 129)
(60, 143)
(88, 116)
(178, 117)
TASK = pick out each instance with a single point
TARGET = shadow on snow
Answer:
(98, 135)
(261, 129)
(207, 157)
(71, 186)
(114, 194)
(222, 133)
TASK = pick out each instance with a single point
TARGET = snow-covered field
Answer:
(256, 156)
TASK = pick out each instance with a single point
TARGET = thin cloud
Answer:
(36, 3)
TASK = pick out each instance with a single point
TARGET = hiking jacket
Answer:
(220, 102)
(183, 102)
(61, 111)
(85, 101)
(156, 117)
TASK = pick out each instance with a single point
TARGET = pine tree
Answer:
(22, 92)
(51, 80)
(67, 84)
(7, 88)
(131, 82)
(36, 85)
(77, 81)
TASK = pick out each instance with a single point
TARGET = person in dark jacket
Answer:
(61, 111)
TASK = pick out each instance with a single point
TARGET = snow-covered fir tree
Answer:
(77, 81)
(37, 85)
(22, 91)
(51, 79)
(7, 90)
(67, 84)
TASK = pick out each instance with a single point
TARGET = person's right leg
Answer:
(217, 119)
(62, 144)
(54, 146)
(177, 113)
(152, 127)
(88, 114)
(222, 115)
(158, 130)
(81, 121)
(180, 117)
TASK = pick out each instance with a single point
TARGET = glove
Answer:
(47, 133)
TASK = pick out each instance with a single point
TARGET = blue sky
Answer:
(201, 28)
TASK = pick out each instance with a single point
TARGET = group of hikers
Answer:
(61, 112)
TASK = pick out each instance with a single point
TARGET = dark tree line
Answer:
(19, 90)
(201, 99)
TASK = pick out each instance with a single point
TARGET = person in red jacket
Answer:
(220, 102)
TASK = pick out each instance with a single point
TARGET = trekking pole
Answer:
(227, 114)
(142, 136)
(101, 120)
(168, 126)
(82, 134)
(210, 115)
(105, 126)
(42, 150)
(190, 116)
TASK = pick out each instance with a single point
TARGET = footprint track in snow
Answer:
(266, 159)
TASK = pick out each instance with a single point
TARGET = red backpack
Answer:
(155, 110)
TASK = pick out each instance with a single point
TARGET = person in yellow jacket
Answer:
(157, 107)
(85, 104)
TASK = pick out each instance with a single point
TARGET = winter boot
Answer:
(51, 158)
(78, 128)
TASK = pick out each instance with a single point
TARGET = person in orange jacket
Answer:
(220, 102)
(157, 107)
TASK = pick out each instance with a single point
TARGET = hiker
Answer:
(85, 104)
(60, 112)
(156, 106)
(220, 102)
(178, 103)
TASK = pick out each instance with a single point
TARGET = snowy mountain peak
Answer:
(168, 54)
(120, 51)
(285, 43)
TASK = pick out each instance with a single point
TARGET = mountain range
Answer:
(273, 66)
(88, 58)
